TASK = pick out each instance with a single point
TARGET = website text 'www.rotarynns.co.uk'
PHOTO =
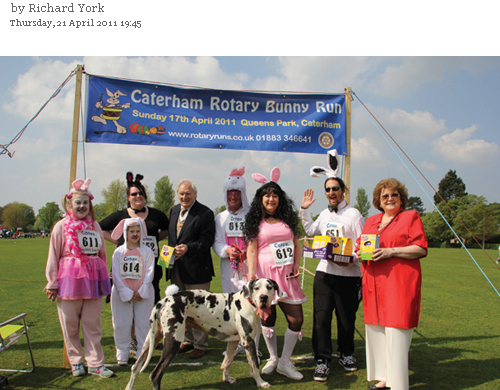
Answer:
(247, 138)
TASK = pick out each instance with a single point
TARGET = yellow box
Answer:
(368, 243)
(166, 258)
(320, 241)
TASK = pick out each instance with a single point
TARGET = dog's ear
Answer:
(276, 287)
(247, 288)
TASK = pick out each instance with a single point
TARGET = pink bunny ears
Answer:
(237, 172)
(80, 185)
(122, 226)
(275, 176)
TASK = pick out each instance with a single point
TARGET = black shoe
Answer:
(321, 371)
(348, 362)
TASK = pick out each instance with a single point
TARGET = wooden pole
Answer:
(74, 152)
(348, 99)
(76, 118)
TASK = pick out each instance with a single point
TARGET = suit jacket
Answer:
(198, 233)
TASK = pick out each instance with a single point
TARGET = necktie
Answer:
(332, 208)
(180, 221)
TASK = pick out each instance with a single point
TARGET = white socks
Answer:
(291, 339)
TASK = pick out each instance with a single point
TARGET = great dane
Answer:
(228, 317)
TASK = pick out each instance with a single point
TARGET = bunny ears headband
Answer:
(275, 176)
(136, 183)
(333, 166)
(80, 185)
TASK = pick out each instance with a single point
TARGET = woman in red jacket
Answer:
(392, 282)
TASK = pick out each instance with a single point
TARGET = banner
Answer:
(129, 112)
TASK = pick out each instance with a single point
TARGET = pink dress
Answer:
(266, 267)
(75, 278)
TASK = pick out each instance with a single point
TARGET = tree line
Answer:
(481, 219)
(21, 216)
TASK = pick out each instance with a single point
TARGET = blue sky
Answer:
(441, 110)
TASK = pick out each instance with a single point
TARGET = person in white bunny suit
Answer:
(132, 295)
(229, 244)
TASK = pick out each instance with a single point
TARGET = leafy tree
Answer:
(480, 218)
(100, 211)
(362, 203)
(450, 187)
(115, 197)
(1, 220)
(415, 203)
(219, 209)
(47, 217)
(164, 195)
(18, 215)
(436, 228)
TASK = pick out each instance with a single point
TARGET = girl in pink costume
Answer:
(274, 252)
(132, 296)
(78, 279)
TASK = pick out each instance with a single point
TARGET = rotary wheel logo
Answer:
(325, 140)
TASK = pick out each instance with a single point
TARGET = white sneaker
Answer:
(270, 367)
(290, 371)
(239, 350)
(122, 363)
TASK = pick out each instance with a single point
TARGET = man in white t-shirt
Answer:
(336, 285)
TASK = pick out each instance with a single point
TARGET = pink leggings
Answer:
(88, 312)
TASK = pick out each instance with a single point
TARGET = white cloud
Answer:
(428, 165)
(407, 128)
(365, 154)
(34, 88)
(459, 148)
(414, 72)
(198, 71)
(318, 74)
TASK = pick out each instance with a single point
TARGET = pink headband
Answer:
(80, 185)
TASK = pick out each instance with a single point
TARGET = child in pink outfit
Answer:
(78, 279)
(132, 296)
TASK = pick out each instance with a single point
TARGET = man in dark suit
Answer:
(191, 232)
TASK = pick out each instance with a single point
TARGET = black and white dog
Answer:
(227, 317)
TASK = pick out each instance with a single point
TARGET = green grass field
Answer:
(456, 345)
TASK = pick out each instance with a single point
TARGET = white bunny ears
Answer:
(80, 185)
(334, 166)
(275, 176)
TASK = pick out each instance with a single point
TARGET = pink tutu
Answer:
(86, 280)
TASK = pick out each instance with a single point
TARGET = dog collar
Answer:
(251, 303)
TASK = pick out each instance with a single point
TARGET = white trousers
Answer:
(387, 355)
(125, 315)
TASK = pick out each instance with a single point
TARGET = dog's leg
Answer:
(228, 360)
(154, 337)
(251, 350)
(137, 367)
(170, 349)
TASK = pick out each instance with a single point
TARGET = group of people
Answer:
(257, 239)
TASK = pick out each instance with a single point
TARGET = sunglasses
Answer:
(386, 196)
(235, 194)
(334, 188)
(136, 194)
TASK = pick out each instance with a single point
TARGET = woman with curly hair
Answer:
(274, 252)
